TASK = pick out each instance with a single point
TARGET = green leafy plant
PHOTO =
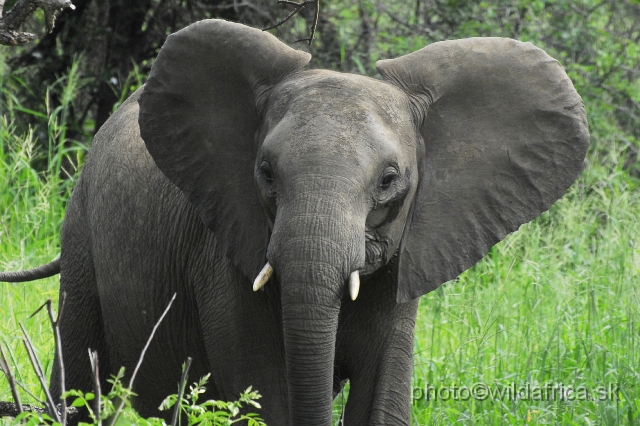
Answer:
(207, 413)
(212, 412)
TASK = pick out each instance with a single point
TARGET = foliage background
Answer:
(557, 301)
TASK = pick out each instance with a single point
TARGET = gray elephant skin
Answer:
(234, 154)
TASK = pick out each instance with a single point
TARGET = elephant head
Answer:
(328, 175)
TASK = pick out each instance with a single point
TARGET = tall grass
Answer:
(556, 302)
(32, 206)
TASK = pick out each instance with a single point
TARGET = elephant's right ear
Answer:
(505, 135)
(198, 119)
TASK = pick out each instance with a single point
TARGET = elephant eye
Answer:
(265, 171)
(390, 174)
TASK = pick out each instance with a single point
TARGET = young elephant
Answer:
(361, 194)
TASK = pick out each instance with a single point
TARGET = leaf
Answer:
(78, 402)
(168, 402)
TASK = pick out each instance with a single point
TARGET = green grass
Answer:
(32, 206)
(556, 302)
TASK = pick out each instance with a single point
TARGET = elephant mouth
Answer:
(376, 251)
(376, 248)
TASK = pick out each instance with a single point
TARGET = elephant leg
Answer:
(81, 325)
(242, 334)
(375, 350)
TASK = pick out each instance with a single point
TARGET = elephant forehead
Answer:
(333, 138)
(347, 115)
(345, 97)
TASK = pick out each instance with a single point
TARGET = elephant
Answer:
(348, 197)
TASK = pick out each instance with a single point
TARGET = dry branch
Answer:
(11, 21)
(58, 340)
(95, 380)
(59, 412)
(4, 366)
(297, 7)
(37, 368)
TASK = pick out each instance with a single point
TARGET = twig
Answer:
(246, 4)
(95, 379)
(313, 26)
(24, 388)
(416, 28)
(37, 368)
(4, 366)
(144, 350)
(58, 341)
(297, 8)
(183, 382)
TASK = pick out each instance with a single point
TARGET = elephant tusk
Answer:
(354, 284)
(263, 277)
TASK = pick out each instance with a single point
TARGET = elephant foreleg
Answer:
(375, 350)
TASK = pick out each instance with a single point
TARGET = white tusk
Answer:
(354, 284)
(263, 277)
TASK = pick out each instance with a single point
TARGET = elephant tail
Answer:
(43, 271)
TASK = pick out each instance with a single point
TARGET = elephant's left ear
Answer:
(199, 113)
(505, 134)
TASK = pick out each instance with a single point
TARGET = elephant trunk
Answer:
(309, 338)
(315, 246)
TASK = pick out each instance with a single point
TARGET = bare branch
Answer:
(37, 368)
(26, 389)
(95, 379)
(58, 341)
(315, 22)
(297, 8)
(144, 351)
(4, 366)
(58, 412)
(415, 28)
(183, 383)
(237, 6)
(11, 21)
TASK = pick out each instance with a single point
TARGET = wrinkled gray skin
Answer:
(407, 180)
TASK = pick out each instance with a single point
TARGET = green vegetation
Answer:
(208, 413)
(556, 303)
(32, 205)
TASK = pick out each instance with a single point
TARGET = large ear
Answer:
(198, 118)
(505, 134)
